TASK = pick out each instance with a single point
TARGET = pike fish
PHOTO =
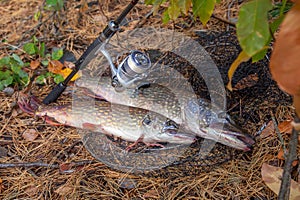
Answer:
(128, 123)
(197, 116)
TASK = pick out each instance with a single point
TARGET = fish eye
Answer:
(146, 120)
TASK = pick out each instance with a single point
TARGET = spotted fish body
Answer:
(196, 116)
(149, 98)
(128, 123)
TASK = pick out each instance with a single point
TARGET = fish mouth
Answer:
(179, 136)
(186, 139)
(231, 135)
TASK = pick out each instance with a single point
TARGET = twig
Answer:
(228, 13)
(223, 20)
(39, 164)
(17, 158)
(37, 26)
(143, 20)
(33, 164)
(284, 191)
(278, 133)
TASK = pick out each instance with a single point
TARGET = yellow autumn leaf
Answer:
(272, 177)
(243, 57)
(66, 71)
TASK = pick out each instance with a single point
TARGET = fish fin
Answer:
(93, 95)
(90, 126)
(140, 139)
(52, 122)
(154, 145)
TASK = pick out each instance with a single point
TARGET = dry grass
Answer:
(237, 179)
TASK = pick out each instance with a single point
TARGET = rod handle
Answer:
(54, 94)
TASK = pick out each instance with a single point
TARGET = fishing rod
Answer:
(131, 65)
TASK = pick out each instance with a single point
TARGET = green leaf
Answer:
(57, 54)
(5, 79)
(40, 79)
(184, 5)
(29, 48)
(4, 75)
(252, 26)
(37, 15)
(149, 2)
(25, 79)
(42, 50)
(165, 17)
(276, 23)
(154, 2)
(15, 68)
(35, 40)
(18, 71)
(260, 55)
(6, 82)
(23, 74)
(48, 56)
(18, 59)
(203, 9)
(58, 78)
(55, 4)
(27, 64)
(45, 62)
(50, 74)
(4, 61)
(173, 10)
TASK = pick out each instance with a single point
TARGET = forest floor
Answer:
(56, 164)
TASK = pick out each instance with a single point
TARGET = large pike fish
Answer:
(197, 116)
(128, 123)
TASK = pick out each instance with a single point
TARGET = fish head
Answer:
(160, 129)
(211, 122)
(230, 134)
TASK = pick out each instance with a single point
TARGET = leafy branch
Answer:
(257, 22)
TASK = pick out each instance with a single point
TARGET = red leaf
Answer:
(34, 64)
(280, 156)
(66, 167)
(246, 82)
(55, 66)
(285, 127)
(268, 131)
(272, 177)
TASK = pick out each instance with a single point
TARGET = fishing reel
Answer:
(130, 71)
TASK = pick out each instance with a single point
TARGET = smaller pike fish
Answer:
(128, 123)
(196, 116)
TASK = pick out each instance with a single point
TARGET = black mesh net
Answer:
(249, 106)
